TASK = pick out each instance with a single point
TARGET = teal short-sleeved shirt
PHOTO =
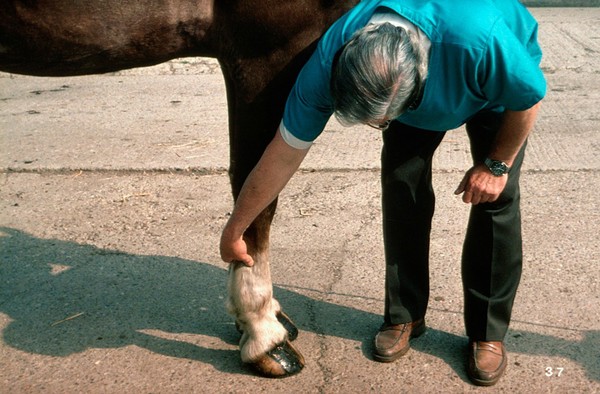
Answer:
(484, 55)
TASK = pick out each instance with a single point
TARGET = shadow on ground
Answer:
(63, 298)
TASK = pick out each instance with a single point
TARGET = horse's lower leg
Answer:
(251, 301)
(265, 341)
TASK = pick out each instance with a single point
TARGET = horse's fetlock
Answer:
(262, 336)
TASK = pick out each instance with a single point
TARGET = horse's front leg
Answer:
(266, 331)
(256, 96)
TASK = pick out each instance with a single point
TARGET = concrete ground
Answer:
(114, 192)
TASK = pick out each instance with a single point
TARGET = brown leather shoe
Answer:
(392, 340)
(487, 362)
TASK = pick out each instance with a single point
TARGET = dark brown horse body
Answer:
(261, 46)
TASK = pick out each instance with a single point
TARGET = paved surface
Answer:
(113, 194)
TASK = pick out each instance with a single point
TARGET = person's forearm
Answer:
(277, 165)
(516, 127)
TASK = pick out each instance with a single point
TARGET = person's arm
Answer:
(277, 165)
(479, 185)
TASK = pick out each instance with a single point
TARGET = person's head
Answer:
(377, 75)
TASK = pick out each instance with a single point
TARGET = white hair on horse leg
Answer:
(251, 302)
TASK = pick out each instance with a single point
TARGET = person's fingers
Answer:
(246, 259)
(461, 186)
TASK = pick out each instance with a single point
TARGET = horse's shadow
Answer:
(63, 298)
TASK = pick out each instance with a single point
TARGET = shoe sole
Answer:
(484, 383)
(416, 332)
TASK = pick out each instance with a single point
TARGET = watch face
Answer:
(496, 167)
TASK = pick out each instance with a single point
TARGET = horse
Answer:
(261, 46)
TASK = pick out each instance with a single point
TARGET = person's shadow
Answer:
(63, 297)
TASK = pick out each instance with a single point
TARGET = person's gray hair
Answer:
(377, 74)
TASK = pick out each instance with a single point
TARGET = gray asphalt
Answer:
(114, 191)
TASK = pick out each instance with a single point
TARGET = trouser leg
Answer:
(492, 252)
(408, 204)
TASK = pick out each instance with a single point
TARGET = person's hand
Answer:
(479, 185)
(234, 250)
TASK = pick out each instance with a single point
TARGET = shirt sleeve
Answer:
(309, 105)
(292, 140)
(509, 73)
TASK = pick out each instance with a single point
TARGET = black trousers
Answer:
(492, 251)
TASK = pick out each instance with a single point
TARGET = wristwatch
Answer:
(497, 167)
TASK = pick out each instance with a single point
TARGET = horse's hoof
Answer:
(283, 361)
(285, 321)
(288, 324)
